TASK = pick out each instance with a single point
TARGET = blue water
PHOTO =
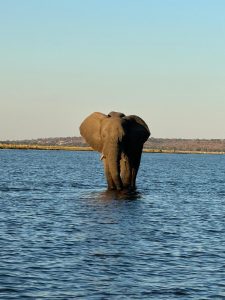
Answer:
(64, 237)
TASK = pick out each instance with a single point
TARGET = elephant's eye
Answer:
(104, 134)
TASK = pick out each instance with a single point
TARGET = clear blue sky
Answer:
(163, 60)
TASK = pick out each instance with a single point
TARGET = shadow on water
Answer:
(116, 195)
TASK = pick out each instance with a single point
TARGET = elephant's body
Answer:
(120, 139)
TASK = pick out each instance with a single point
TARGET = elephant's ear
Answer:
(138, 129)
(90, 130)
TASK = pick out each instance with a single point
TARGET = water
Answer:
(64, 237)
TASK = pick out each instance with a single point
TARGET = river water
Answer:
(64, 237)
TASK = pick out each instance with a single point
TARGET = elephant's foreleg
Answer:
(133, 177)
(110, 183)
(135, 166)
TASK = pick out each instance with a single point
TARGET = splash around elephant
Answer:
(120, 139)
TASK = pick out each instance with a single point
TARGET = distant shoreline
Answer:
(44, 147)
(81, 148)
(152, 145)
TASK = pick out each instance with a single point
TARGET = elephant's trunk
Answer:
(114, 168)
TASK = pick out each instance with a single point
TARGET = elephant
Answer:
(120, 139)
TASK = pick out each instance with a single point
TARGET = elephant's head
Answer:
(120, 139)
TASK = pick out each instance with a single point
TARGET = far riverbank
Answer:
(80, 148)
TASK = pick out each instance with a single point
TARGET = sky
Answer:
(163, 60)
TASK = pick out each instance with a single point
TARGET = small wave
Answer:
(16, 189)
(105, 255)
(168, 291)
(79, 185)
(7, 290)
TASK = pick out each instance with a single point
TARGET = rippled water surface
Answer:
(64, 237)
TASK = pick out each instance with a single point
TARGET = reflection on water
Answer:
(116, 195)
(63, 236)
